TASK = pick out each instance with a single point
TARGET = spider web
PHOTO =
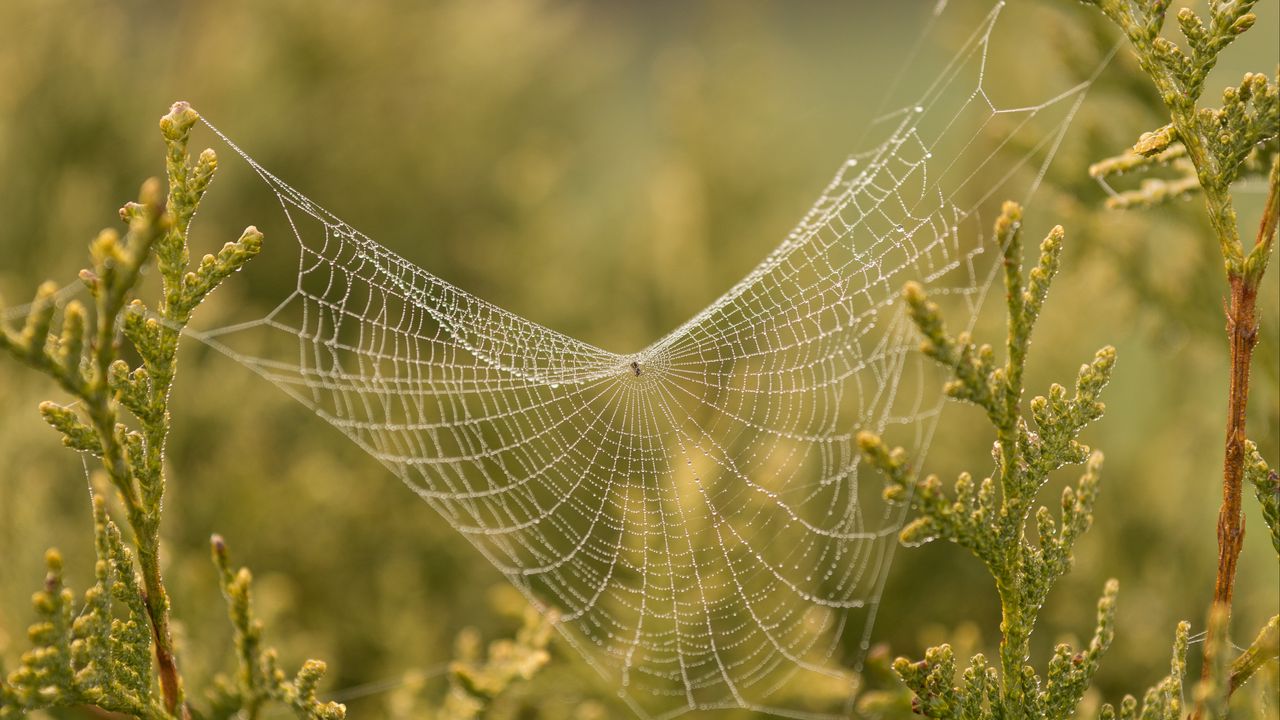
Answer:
(694, 511)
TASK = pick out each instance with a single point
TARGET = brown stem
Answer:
(1242, 334)
(157, 603)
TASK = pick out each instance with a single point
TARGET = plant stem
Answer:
(142, 505)
(1206, 135)
(157, 602)
(1265, 647)
(1260, 255)
(1242, 334)
(1015, 621)
(147, 537)
(1015, 647)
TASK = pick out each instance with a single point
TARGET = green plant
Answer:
(259, 678)
(989, 517)
(475, 681)
(101, 654)
(1209, 149)
(1212, 148)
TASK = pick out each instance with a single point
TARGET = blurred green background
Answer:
(606, 169)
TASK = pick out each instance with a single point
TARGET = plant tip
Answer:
(177, 123)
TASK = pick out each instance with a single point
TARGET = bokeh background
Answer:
(606, 169)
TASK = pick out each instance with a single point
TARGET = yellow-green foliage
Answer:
(1219, 145)
(990, 517)
(475, 680)
(259, 679)
(604, 169)
(95, 655)
(1266, 485)
(1212, 149)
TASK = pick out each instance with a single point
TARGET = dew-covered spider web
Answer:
(693, 511)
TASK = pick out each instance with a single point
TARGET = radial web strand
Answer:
(694, 511)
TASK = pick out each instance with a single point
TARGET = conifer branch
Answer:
(476, 679)
(259, 678)
(990, 517)
(98, 655)
(1264, 648)
(1266, 485)
(1164, 700)
(1212, 147)
(103, 659)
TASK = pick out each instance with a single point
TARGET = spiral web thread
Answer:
(693, 512)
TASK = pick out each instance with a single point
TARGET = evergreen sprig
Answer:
(478, 678)
(990, 517)
(259, 678)
(104, 656)
(98, 654)
(1164, 700)
(1210, 695)
(1213, 147)
(1215, 142)
(1266, 485)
